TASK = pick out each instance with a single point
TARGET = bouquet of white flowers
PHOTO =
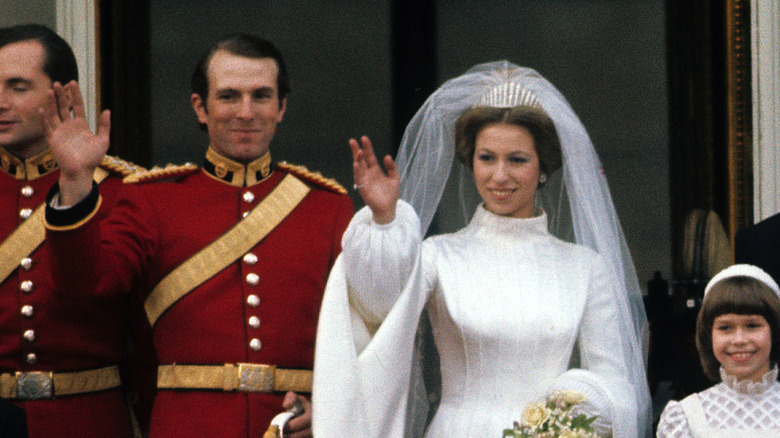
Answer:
(553, 418)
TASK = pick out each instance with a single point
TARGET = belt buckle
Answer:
(254, 377)
(34, 385)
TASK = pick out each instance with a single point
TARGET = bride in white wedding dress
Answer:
(516, 312)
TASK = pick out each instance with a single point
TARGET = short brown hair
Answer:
(741, 295)
(59, 62)
(247, 46)
(538, 123)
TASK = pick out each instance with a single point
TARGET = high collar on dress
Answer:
(29, 169)
(235, 173)
(487, 222)
(748, 386)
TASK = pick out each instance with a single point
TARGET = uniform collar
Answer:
(29, 169)
(235, 173)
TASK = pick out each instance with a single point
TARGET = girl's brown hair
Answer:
(741, 295)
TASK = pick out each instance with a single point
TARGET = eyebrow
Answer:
(236, 90)
(18, 80)
(487, 149)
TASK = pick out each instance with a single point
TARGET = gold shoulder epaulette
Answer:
(120, 166)
(314, 177)
(157, 173)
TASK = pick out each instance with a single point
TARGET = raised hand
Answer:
(77, 150)
(379, 190)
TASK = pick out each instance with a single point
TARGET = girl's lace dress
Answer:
(730, 408)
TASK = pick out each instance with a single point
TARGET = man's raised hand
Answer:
(77, 150)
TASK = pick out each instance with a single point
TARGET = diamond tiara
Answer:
(508, 95)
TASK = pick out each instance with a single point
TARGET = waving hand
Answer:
(378, 189)
(77, 150)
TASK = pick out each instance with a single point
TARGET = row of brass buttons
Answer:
(252, 279)
(27, 286)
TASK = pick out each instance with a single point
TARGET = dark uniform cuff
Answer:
(73, 215)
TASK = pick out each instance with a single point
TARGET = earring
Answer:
(542, 179)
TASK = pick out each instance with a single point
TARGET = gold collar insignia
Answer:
(29, 169)
(235, 173)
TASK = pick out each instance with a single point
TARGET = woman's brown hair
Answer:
(538, 123)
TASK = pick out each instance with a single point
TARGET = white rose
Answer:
(572, 397)
(534, 414)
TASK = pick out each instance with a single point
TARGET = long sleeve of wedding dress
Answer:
(379, 260)
(365, 340)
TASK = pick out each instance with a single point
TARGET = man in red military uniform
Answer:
(58, 358)
(234, 256)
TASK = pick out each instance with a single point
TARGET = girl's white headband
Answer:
(744, 270)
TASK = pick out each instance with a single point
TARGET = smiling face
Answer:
(23, 92)
(243, 105)
(506, 169)
(742, 344)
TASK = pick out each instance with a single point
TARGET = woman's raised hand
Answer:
(378, 189)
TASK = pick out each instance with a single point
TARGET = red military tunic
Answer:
(41, 332)
(261, 309)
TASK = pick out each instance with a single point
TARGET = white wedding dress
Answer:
(507, 302)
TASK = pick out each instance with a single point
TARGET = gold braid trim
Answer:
(120, 166)
(158, 173)
(312, 176)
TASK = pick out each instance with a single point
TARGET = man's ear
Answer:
(282, 109)
(200, 107)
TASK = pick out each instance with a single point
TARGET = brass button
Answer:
(26, 263)
(249, 197)
(27, 310)
(255, 344)
(254, 322)
(27, 191)
(250, 259)
(253, 300)
(26, 286)
(253, 279)
(32, 359)
(29, 335)
(25, 213)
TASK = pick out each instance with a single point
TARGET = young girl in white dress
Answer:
(738, 338)
(534, 293)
